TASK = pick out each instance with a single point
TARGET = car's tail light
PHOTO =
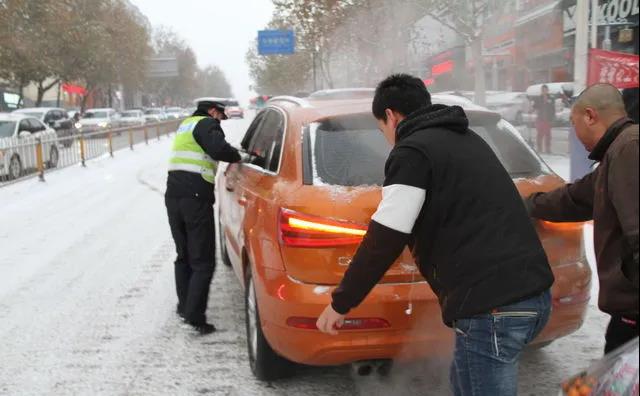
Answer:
(571, 226)
(301, 230)
(349, 324)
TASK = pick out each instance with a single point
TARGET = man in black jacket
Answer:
(189, 198)
(449, 198)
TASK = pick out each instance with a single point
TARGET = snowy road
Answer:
(87, 301)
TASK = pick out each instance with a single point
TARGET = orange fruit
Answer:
(585, 390)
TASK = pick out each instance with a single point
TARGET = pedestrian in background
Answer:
(545, 116)
(449, 198)
(609, 197)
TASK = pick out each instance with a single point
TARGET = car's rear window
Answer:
(351, 151)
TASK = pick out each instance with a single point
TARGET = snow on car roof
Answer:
(39, 109)
(13, 116)
(503, 97)
(554, 88)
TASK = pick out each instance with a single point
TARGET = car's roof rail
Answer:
(291, 99)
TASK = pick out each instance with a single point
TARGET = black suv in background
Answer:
(56, 118)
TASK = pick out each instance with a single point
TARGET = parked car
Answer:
(343, 93)
(233, 109)
(154, 114)
(291, 220)
(56, 118)
(72, 113)
(173, 113)
(132, 118)
(99, 119)
(510, 105)
(18, 136)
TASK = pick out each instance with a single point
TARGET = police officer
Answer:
(198, 145)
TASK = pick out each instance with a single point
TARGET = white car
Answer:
(173, 113)
(510, 105)
(154, 115)
(98, 119)
(132, 118)
(18, 137)
(233, 109)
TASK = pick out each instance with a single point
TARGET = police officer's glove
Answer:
(245, 157)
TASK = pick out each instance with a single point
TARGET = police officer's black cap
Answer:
(206, 105)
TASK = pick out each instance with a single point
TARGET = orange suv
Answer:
(290, 223)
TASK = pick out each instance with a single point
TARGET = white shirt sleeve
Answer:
(400, 207)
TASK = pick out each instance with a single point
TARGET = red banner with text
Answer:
(616, 68)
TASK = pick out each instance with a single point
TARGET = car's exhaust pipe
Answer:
(365, 368)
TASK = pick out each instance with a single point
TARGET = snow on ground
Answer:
(87, 300)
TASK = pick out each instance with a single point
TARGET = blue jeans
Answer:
(488, 347)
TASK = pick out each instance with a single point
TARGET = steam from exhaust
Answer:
(429, 376)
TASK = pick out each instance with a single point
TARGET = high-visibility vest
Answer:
(187, 155)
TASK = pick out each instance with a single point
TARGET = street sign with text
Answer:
(276, 42)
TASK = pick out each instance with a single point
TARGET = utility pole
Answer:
(315, 79)
(581, 54)
(594, 23)
(578, 156)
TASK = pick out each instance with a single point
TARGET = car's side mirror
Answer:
(24, 134)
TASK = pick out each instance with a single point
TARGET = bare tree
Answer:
(465, 17)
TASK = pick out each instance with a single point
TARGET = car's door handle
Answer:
(242, 201)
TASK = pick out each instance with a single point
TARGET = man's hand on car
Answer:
(245, 157)
(330, 321)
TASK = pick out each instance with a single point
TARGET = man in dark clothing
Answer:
(609, 197)
(545, 116)
(449, 198)
(631, 98)
(189, 198)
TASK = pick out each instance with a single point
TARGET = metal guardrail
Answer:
(24, 158)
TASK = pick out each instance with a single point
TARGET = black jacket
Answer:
(449, 198)
(209, 135)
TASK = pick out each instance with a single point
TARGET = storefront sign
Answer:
(617, 68)
(442, 68)
(609, 11)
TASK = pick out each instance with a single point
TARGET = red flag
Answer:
(616, 68)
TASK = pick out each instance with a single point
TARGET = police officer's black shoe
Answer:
(180, 313)
(202, 328)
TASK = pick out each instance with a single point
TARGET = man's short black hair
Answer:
(401, 93)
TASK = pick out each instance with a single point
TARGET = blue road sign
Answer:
(276, 42)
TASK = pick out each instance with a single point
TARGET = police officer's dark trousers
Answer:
(192, 226)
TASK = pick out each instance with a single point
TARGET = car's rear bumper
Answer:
(418, 334)
(410, 336)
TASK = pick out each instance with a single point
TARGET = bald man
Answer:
(609, 197)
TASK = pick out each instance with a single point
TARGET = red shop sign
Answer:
(616, 68)
(442, 68)
(74, 89)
